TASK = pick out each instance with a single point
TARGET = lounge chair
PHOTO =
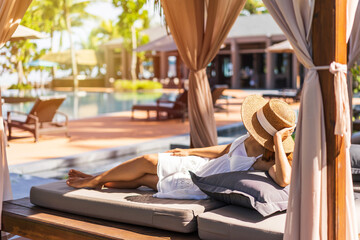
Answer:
(287, 95)
(40, 118)
(217, 93)
(173, 109)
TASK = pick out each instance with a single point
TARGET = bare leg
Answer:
(76, 173)
(125, 172)
(148, 180)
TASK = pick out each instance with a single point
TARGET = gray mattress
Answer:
(129, 206)
(238, 223)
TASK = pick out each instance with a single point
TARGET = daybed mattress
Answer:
(129, 206)
(238, 223)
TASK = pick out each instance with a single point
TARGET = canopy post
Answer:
(329, 44)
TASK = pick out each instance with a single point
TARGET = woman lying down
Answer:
(268, 146)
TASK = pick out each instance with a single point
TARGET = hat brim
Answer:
(248, 112)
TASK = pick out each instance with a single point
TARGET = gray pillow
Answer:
(251, 189)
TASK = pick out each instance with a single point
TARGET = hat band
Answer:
(265, 123)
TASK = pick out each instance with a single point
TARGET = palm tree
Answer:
(56, 16)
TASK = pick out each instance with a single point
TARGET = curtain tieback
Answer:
(342, 124)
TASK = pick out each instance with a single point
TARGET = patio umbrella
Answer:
(11, 13)
(22, 33)
(281, 47)
(163, 44)
(83, 57)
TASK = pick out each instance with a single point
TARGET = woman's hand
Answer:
(284, 133)
(179, 152)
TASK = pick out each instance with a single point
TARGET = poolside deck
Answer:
(109, 131)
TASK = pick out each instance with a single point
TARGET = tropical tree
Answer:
(253, 7)
(133, 19)
(51, 16)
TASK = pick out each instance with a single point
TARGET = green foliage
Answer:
(132, 12)
(21, 86)
(253, 7)
(355, 72)
(46, 16)
(129, 85)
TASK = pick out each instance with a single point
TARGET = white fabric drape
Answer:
(11, 12)
(307, 209)
(354, 44)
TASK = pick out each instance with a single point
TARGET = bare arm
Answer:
(207, 152)
(280, 172)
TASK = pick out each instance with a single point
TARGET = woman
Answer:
(268, 146)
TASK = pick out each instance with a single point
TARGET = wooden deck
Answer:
(22, 218)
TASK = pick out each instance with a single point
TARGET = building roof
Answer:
(245, 26)
(155, 32)
(163, 44)
(114, 42)
(255, 25)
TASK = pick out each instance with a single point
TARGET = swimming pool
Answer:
(89, 104)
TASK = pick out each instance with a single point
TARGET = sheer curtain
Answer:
(307, 209)
(11, 12)
(199, 28)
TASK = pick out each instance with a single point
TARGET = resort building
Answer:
(242, 61)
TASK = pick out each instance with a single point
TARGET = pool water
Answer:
(89, 104)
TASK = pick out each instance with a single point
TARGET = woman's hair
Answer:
(270, 156)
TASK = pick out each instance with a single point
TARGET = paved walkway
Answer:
(109, 131)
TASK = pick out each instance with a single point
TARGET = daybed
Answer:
(211, 219)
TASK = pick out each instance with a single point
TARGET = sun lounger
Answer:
(238, 223)
(216, 94)
(211, 219)
(286, 95)
(40, 118)
(173, 109)
(22, 218)
(120, 205)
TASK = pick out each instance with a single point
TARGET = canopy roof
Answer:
(83, 57)
(245, 26)
(163, 44)
(254, 25)
(22, 33)
(281, 47)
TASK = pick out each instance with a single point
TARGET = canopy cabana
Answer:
(22, 33)
(321, 198)
(281, 47)
(321, 204)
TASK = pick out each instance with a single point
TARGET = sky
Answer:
(104, 10)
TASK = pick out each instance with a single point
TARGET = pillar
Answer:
(269, 66)
(235, 79)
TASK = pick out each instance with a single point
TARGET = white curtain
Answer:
(354, 44)
(11, 12)
(307, 209)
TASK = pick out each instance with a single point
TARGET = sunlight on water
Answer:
(89, 104)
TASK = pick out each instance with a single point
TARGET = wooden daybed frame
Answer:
(22, 218)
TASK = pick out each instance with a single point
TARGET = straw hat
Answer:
(264, 118)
